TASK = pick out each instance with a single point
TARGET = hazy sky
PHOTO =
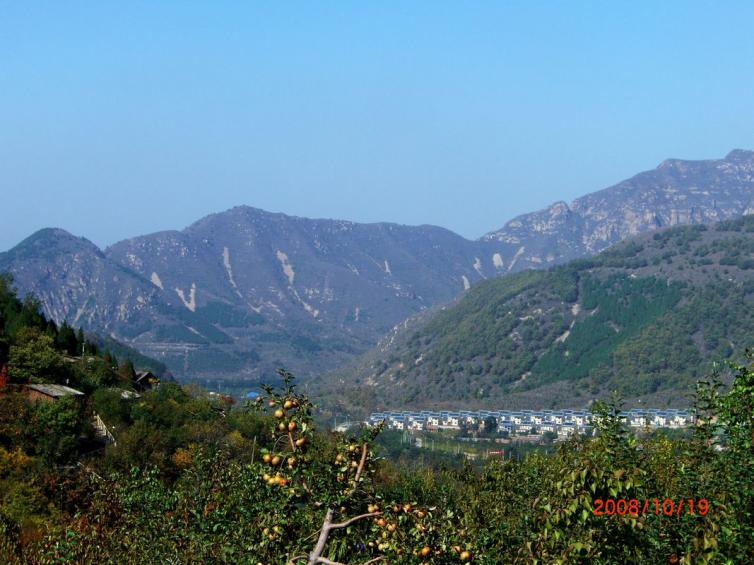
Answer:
(123, 118)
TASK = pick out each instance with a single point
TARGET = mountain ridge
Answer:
(675, 192)
(230, 294)
(647, 317)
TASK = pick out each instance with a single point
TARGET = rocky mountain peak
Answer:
(558, 209)
(670, 164)
(740, 156)
(47, 240)
(676, 192)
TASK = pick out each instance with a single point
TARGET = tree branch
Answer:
(360, 469)
(293, 445)
(352, 520)
(314, 556)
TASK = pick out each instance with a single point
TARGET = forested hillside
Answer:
(646, 318)
(35, 349)
(190, 478)
(39, 436)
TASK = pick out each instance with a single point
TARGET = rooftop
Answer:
(56, 391)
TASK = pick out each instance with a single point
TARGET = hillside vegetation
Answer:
(645, 318)
(194, 479)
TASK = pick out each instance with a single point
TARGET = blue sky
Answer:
(118, 119)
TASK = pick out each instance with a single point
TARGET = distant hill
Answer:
(677, 192)
(240, 293)
(246, 291)
(646, 317)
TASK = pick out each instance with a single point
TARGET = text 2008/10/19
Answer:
(666, 507)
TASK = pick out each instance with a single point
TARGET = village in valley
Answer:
(525, 425)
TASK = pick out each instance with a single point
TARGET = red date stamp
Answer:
(659, 507)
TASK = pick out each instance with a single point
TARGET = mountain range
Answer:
(239, 293)
(647, 318)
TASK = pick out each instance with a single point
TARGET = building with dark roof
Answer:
(145, 380)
